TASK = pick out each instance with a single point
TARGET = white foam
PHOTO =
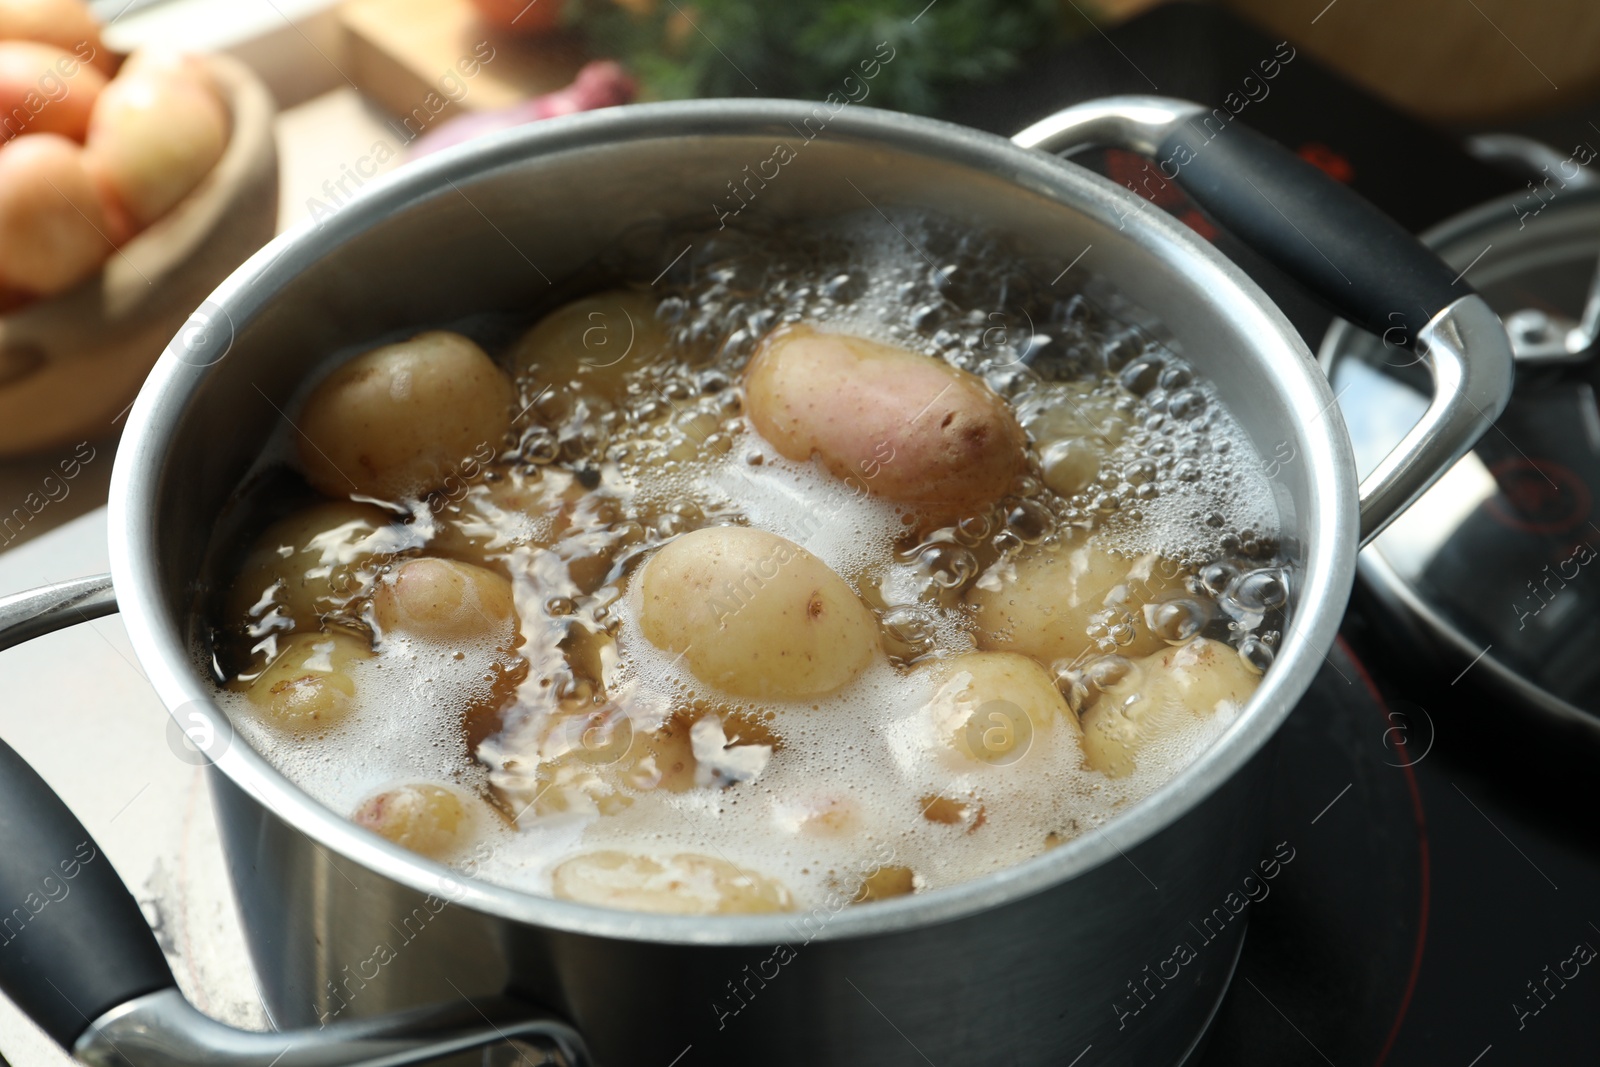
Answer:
(847, 786)
(406, 726)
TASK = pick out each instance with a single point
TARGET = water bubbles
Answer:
(1140, 375)
(973, 529)
(1118, 352)
(1069, 464)
(1107, 671)
(1177, 620)
(907, 634)
(1263, 589)
(1186, 403)
(1256, 653)
(1174, 376)
(1215, 578)
(1028, 519)
(844, 288)
(948, 566)
(1104, 503)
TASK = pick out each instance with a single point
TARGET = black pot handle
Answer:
(1341, 248)
(73, 942)
(79, 959)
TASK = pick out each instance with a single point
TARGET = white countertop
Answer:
(77, 708)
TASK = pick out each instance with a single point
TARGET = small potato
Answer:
(446, 602)
(684, 884)
(399, 420)
(902, 426)
(1044, 603)
(755, 615)
(1157, 696)
(590, 345)
(313, 563)
(307, 688)
(993, 707)
(428, 819)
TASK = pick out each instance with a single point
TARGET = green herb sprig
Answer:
(806, 48)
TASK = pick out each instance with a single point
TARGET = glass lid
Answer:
(1500, 560)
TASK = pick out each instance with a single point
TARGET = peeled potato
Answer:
(45, 90)
(684, 884)
(1162, 692)
(992, 707)
(755, 614)
(591, 345)
(446, 602)
(52, 226)
(903, 426)
(152, 138)
(314, 562)
(1043, 604)
(307, 688)
(399, 420)
(66, 24)
(428, 819)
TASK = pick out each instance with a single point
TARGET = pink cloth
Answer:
(602, 83)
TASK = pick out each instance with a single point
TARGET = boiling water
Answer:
(862, 773)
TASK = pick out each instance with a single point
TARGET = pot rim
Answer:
(1329, 531)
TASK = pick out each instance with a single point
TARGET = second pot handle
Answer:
(79, 959)
(1344, 250)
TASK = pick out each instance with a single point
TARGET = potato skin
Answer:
(755, 615)
(1043, 610)
(683, 884)
(982, 701)
(591, 345)
(307, 689)
(397, 421)
(428, 819)
(1155, 697)
(313, 562)
(903, 426)
(445, 601)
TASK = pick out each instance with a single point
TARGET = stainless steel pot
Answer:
(1033, 965)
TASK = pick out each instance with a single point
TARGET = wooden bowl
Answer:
(71, 364)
